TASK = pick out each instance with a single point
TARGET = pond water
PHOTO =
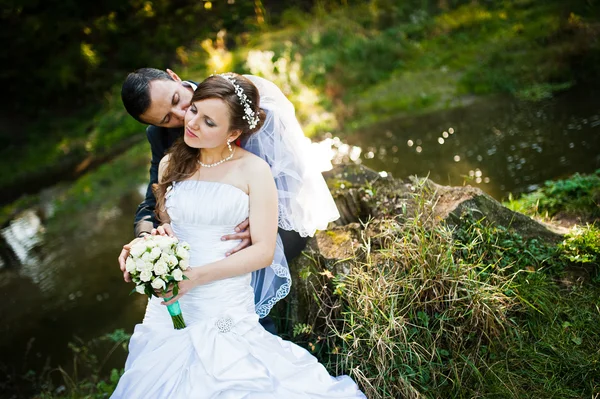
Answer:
(497, 144)
(59, 277)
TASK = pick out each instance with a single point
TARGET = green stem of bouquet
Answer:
(176, 316)
(178, 322)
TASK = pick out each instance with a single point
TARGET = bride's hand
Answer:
(184, 287)
(164, 229)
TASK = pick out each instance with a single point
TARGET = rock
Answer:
(451, 203)
(346, 183)
(372, 208)
(329, 253)
(373, 196)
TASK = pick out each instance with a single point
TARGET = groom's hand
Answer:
(123, 258)
(242, 233)
(164, 229)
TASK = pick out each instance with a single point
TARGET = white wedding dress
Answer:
(223, 352)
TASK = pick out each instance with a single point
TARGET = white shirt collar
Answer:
(190, 84)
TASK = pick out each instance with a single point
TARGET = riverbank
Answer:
(346, 67)
(415, 308)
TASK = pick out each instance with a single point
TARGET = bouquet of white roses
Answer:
(155, 263)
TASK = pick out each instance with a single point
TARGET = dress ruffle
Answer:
(202, 361)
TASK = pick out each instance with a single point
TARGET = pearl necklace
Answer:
(212, 165)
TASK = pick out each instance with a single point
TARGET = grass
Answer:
(110, 180)
(51, 142)
(87, 376)
(478, 311)
(576, 197)
(379, 59)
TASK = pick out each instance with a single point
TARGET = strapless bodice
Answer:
(201, 213)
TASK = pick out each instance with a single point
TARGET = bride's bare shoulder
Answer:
(253, 164)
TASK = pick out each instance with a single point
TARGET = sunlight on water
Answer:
(497, 144)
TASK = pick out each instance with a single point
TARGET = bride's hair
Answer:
(183, 160)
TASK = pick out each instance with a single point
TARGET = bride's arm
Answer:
(263, 231)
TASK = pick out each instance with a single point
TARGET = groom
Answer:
(160, 99)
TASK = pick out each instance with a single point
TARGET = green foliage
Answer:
(108, 181)
(582, 245)
(382, 58)
(345, 63)
(60, 145)
(578, 195)
(83, 48)
(302, 328)
(476, 311)
(542, 91)
(501, 250)
(86, 379)
(553, 352)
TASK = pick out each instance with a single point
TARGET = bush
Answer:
(578, 195)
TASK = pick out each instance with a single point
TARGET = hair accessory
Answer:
(250, 116)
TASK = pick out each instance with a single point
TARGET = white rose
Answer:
(160, 268)
(165, 243)
(146, 257)
(146, 275)
(182, 252)
(172, 260)
(185, 245)
(155, 253)
(130, 265)
(184, 264)
(140, 289)
(164, 257)
(137, 250)
(149, 266)
(177, 274)
(158, 284)
(140, 265)
(151, 243)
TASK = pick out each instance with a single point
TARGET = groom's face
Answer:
(170, 99)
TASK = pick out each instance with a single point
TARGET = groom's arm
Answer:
(145, 219)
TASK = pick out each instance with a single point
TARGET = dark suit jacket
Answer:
(160, 139)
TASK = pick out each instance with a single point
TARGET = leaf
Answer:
(423, 317)
(443, 352)
(577, 340)
(327, 274)
(149, 291)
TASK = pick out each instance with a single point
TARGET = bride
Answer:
(207, 186)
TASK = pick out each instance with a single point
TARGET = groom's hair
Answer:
(135, 92)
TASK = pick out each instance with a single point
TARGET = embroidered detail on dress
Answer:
(224, 324)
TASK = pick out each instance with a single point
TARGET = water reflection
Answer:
(65, 280)
(500, 145)
(23, 234)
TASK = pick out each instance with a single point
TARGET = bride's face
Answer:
(207, 124)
